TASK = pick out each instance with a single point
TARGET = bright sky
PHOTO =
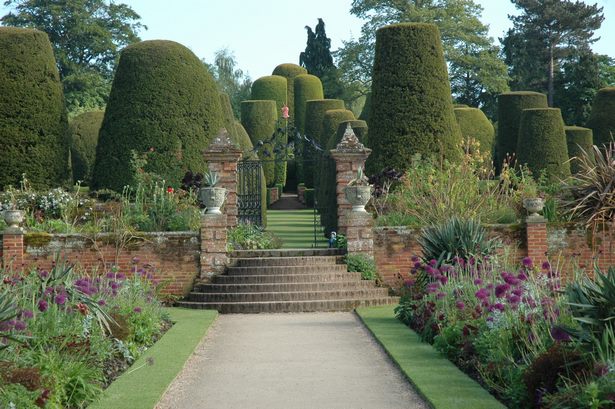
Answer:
(264, 33)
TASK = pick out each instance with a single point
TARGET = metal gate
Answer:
(249, 192)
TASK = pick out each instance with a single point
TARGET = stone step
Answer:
(266, 270)
(283, 287)
(284, 261)
(286, 253)
(286, 278)
(288, 296)
(289, 306)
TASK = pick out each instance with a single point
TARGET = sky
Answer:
(265, 33)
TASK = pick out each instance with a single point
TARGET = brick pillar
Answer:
(222, 157)
(349, 156)
(213, 245)
(12, 249)
(537, 247)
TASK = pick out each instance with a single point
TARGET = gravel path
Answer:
(316, 361)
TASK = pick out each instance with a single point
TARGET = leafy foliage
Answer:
(601, 120)
(258, 118)
(579, 140)
(474, 125)
(251, 237)
(231, 80)
(362, 263)
(84, 130)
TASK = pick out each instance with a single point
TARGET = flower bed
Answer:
(65, 336)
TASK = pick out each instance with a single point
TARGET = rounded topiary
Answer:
(578, 140)
(271, 87)
(314, 116)
(602, 118)
(510, 107)
(34, 134)
(331, 122)
(461, 106)
(162, 100)
(411, 108)
(259, 117)
(84, 130)
(542, 143)
(307, 87)
(475, 124)
(229, 118)
(290, 71)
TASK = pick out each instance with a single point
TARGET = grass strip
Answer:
(295, 228)
(142, 385)
(437, 379)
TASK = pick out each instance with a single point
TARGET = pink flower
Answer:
(460, 305)
(285, 112)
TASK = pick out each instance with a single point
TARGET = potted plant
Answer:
(211, 196)
(12, 216)
(358, 192)
(531, 198)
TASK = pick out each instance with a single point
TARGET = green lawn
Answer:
(440, 382)
(295, 228)
(142, 385)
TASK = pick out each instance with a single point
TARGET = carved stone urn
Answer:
(533, 205)
(212, 198)
(358, 196)
(13, 218)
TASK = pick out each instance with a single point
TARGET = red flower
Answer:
(82, 308)
(170, 189)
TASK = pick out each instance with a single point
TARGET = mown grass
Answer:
(295, 228)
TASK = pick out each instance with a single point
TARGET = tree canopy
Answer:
(231, 80)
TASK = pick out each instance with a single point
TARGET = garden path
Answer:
(318, 360)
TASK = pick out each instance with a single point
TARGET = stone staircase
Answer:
(286, 281)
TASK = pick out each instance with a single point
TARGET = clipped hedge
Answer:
(602, 118)
(367, 106)
(259, 117)
(542, 143)
(578, 139)
(475, 124)
(271, 87)
(34, 133)
(290, 71)
(229, 118)
(84, 130)
(510, 107)
(248, 154)
(164, 100)
(307, 87)
(411, 109)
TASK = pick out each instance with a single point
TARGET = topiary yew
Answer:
(510, 107)
(162, 100)
(578, 140)
(259, 117)
(542, 143)
(367, 106)
(307, 87)
(272, 87)
(229, 118)
(411, 109)
(602, 118)
(474, 124)
(84, 129)
(290, 71)
(34, 133)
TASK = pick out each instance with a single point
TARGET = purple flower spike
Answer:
(443, 279)
(559, 335)
(522, 276)
(60, 299)
(433, 262)
(546, 265)
(415, 259)
(478, 281)
(137, 309)
(460, 305)
(42, 305)
(527, 262)
(441, 295)
(500, 290)
(27, 314)
(482, 294)
(20, 326)
(499, 306)
(417, 264)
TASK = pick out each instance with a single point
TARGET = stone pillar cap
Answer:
(350, 143)
(223, 143)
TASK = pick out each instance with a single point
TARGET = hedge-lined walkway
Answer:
(295, 228)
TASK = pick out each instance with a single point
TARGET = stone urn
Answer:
(212, 198)
(533, 205)
(13, 218)
(358, 196)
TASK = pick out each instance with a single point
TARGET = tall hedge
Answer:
(164, 100)
(229, 118)
(411, 109)
(259, 117)
(290, 71)
(510, 107)
(578, 140)
(307, 87)
(246, 145)
(314, 117)
(602, 118)
(475, 124)
(542, 143)
(367, 106)
(34, 135)
(84, 129)
(271, 87)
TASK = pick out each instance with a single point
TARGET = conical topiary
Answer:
(290, 71)
(367, 106)
(411, 109)
(259, 117)
(510, 107)
(307, 87)
(602, 118)
(34, 135)
(578, 140)
(84, 129)
(542, 143)
(164, 101)
(271, 87)
(229, 118)
(475, 124)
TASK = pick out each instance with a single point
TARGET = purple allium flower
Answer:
(42, 305)
(460, 305)
(60, 299)
(482, 294)
(135, 260)
(415, 259)
(432, 287)
(559, 335)
(137, 309)
(20, 325)
(121, 276)
(522, 276)
(48, 291)
(110, 275)
(546, 265)
(431, 271)
(114, 285)
(489, 286)
(43, 274)
(27, 314)
(499, 306)
(478, 281)
(490, 319)
(500, 290)
(433, 262)
(514, 299)
(441, 295)
(5, 326)
(443, 279)
(527, 262)
(102, 303)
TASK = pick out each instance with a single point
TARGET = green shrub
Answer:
(475, 125)
(542, 143)
(306, 87)
(510, 107)
(410, 84)
(229, 119)
(579, 140)
(362, 263)
(331, 121)
(162, 100)
(271, 87)
(251, 237)
(367, 106)
(602, 117)
(290, 71)
(259, 117)
(34, 132)
(246, 144)
(84, 130)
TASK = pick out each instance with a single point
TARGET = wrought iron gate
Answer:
(249, 192)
